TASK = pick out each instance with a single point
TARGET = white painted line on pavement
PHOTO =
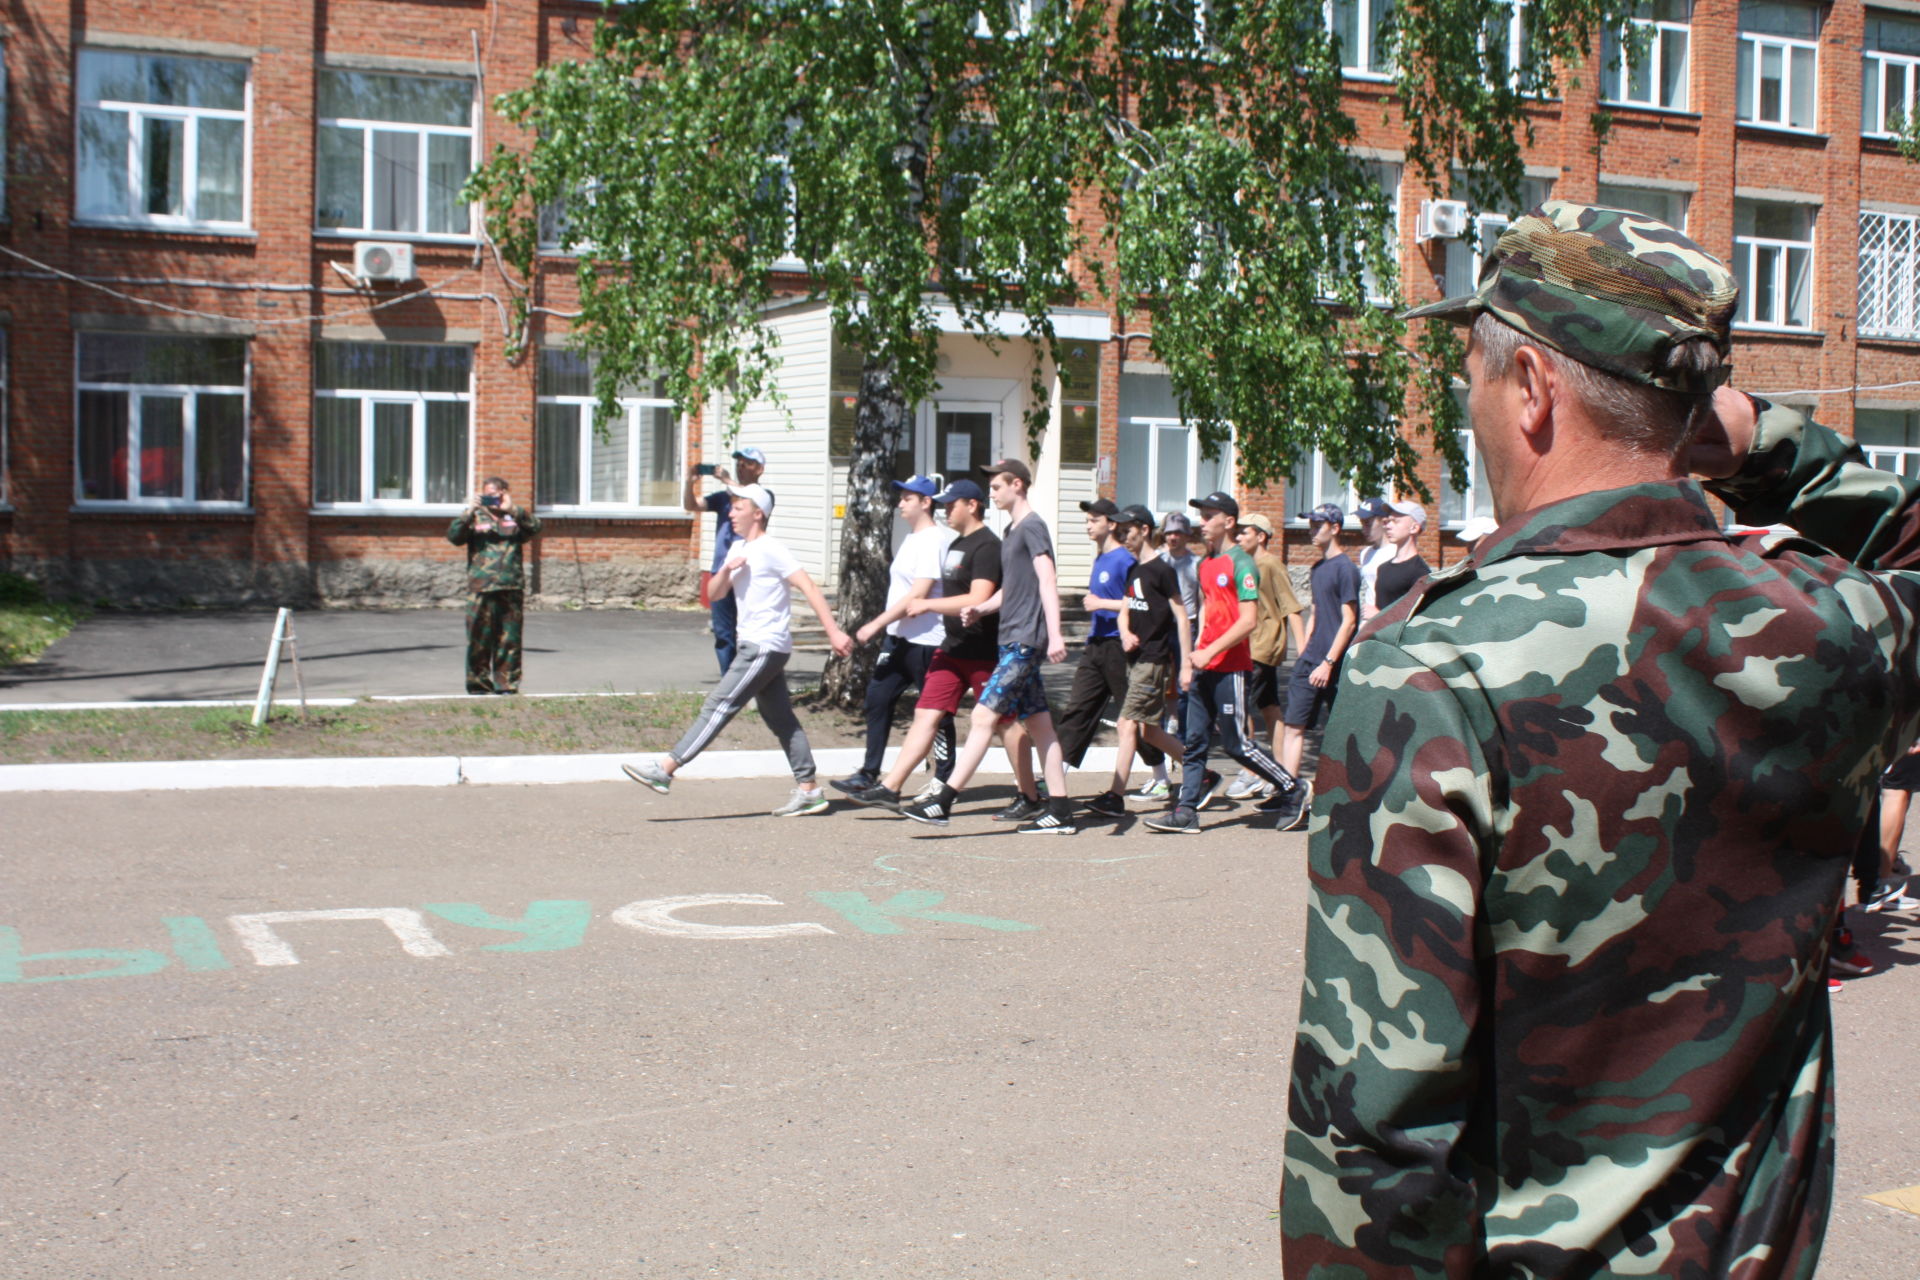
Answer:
(448, 771)
(287, 705)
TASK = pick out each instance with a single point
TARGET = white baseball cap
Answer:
(754, 493)
(1414, 510)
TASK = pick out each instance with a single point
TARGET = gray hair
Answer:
(1633, 415)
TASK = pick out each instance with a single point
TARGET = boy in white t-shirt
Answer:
(759, 571)
(910, 641)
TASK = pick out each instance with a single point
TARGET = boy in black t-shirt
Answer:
(1158, 642)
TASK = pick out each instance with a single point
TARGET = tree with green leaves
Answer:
(923, 153)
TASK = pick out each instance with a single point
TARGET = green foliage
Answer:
(931, 162)
(29, 622)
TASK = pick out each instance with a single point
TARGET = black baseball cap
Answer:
(959, 489)
(1135, 514)
(1218, 501)
(1101, 507)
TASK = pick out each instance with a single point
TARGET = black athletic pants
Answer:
(1102, 674)
(902, 665)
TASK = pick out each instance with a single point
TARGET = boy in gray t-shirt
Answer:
(1029, 607)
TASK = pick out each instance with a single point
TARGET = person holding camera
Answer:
(722, 612)
(493, 530)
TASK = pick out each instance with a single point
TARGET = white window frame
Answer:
(1902, 460)
(1608, 187)
(138, 114)
(1754, 46)
(1875, 66)
(470, 131)
(1364, 63)
(1390, 195)
(1154, 426)
(415, 503)
(139, 392)
(1748, 252)
(1516, 41)
(1616, 79)
(1476, 464)
(1347, 498)
(1023, 13)
(1889, 301)
(585, 409)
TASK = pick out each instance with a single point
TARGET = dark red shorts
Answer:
(950, 679)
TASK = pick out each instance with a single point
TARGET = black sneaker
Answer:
(1056, 819)
(855, 784)
(1211, 784)
(934, 810)
(1108, 804)
(1292, 807)
(1181, 821)
(1019, 809)
(877, 797)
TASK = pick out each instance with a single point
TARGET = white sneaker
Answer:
(1243, 785)
(803, 801)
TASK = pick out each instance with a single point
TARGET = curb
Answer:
(435, 771)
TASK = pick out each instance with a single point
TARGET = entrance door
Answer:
(957, 438)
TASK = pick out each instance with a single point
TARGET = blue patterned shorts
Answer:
(1014, 688)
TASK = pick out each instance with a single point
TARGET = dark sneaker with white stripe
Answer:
(1211, 784)
(1180, 821)
(1055, 820)
(934, 810)
(1292, 807)
(877, 797)
(1019, 809)
(855, 784)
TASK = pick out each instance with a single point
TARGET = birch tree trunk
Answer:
(866, 534)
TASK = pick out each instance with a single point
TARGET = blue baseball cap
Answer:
(1373, 509)
(960, 489)
(751, 454)
(922, 485)
(1326, 512)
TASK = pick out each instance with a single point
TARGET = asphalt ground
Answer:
(218, 653)
(960, 1053)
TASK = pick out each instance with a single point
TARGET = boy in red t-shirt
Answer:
(1217, 699)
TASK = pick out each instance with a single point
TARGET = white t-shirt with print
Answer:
(922, 555)
(761, 594)
(1370, 561)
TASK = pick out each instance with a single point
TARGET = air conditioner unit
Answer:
(382, 260)
(1442, 220)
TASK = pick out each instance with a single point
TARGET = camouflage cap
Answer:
(1608, 287)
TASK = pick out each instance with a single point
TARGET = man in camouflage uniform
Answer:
(493, 530)
(1587, 804)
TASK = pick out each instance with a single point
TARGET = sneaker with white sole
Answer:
(877, 796)
(649, 774)
(1055, 820)
(1155, 789)
(933, 810)
(1020, 808)
(1245, 783)
(1292, 807)
(803, 801)
(1891, 896)
(1211, 784)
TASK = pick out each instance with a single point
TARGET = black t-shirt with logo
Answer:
(1149, 587)
(975, 556)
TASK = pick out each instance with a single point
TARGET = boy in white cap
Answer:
(760, 573)
(721, 613)
(1395, 576)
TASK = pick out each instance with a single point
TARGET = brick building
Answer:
(208, 397)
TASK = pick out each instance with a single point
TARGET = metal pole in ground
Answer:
(271, 671)
(293, 651)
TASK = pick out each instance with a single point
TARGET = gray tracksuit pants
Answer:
(759, 674)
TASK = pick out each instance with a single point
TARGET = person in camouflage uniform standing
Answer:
(493, 530)
(1586, 808)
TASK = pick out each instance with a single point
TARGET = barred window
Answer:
(1890, 275)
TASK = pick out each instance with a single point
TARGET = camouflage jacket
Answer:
(1586, 807)
(493, 546)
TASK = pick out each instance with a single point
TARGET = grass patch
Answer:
(29, 622)
(484, 727)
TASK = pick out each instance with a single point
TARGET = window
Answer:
(394, 153)
(162, 140)
(390, 424)
(1668, 206)
(1890, 438)
(1362, 27)
(5, 470)
(1507, 42)
(1386, 178)
(1891, 66)
(629, 460)
(1457, 506)
(161, 421)
(1183, 28)
(1778, 60)
(1890, 275)
(1020, 17)
(1160, 463)
(1466, 255)
(1644, 64)
(1772, 259)
(1312, 482)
